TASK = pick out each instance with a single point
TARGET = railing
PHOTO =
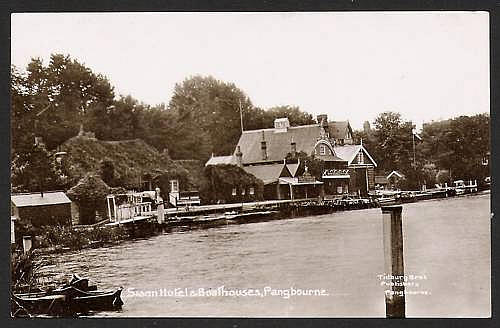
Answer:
(128, 211)
(185, 198)
(336, 173)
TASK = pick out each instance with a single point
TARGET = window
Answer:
(322, 149)
(234, 192)
(361, 158)
(174, 185)
(243, 192)
(251, 191)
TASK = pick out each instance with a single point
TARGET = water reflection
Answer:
(448, 240)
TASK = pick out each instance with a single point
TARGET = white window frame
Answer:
(234, 191)
(251, 191)
(174, 185)
(322, 149)
(361, 157)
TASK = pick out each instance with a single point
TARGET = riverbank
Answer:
(447, 240)
(60, 239)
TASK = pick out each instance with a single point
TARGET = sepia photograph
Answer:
(250, 164)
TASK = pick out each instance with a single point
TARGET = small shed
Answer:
(50, 209)
(394, 179)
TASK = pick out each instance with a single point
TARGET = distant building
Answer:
(348, 168)
(50, 209)
(366, 127)
(394, 179)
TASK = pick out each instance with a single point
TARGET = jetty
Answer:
(140, 214)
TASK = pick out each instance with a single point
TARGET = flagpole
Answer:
(241, 117)
(414, 159)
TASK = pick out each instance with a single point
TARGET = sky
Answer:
(349, 65)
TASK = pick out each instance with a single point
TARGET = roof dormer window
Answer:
(281, 124)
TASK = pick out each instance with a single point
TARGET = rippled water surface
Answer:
(446, 241)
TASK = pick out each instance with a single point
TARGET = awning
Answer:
(295, 182)
(337, 176)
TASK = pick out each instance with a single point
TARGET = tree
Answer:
(293, 113)
(206, 111)
(90, 195)
(33, 170)
(458, 145)
(394, 144)
(205, 118)
(108, 172)
(120, 121)
(52, 101)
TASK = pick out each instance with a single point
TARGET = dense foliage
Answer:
(220, 181)
(57, 236)
(454, 148)
(90, 195)
(205, 115)
(36, 170)
(55, 99)
(52, 101)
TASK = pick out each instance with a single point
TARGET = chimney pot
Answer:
(263, 146)
(239, 157)
(322, 119)
(293, 146)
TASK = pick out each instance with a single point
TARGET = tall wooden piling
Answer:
(393, 258)
(27, 244)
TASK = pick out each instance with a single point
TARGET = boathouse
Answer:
(347, 167)
(39, 209)
(395, 179)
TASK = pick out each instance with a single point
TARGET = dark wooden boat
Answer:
(77, 297)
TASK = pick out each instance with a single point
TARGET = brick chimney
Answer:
(239, 157)
(263, 146)
(323, 120)
(293, 147)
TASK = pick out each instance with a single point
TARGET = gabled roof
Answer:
(268, 173)
(215, 160)
(305, 137)
(278, 144)
(293, 168)
(396, 173)
(349, 152)
(35, 199)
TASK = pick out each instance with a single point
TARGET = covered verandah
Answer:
(336, 181)
(301, 187)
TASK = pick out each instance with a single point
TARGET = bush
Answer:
(54, 236)
(107, 234)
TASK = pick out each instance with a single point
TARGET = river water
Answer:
(338, 256)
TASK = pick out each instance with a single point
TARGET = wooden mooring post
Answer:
(393, 258)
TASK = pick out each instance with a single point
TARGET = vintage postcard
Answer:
(250, 164)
